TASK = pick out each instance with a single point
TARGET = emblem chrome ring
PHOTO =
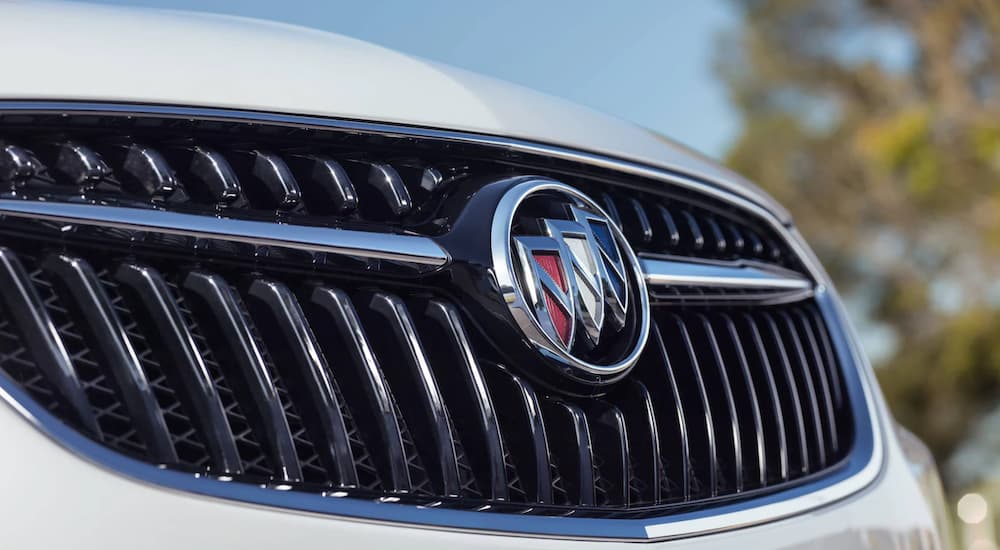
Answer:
(510, 251)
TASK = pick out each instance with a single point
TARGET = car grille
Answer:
(260, 366)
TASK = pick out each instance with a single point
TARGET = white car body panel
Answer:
(54, 498)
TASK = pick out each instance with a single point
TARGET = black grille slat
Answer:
(326, 187)
(761, 368)
(267, 181)
(382, 194)
(694, 396)
(336, 322)
(670, 410)
(806, 385)
(693, 238)
(569, 432)
(816, 369)
(646, 481)
(754, 438)
(523, 431)
(609, 436)
(792, 406)
(187, 442)
(635, 222)
(290, 335)
(716, 237)
(79, 281)
(665, 227)
(25, 308)
(408, 368)
(245, 369)
(189, 372)
(726, 420)
(468, 392)
(829, 363)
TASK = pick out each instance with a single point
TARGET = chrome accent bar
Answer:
(675, 272)
(363, 244)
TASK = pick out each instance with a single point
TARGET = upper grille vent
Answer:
(659, 226)
(224, 178)
(303, 176)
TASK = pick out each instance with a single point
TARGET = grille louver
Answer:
(288, 181)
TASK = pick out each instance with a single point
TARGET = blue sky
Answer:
(647, 61)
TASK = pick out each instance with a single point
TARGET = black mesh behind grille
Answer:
(726, 402)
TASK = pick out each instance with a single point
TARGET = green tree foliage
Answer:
(877, 122)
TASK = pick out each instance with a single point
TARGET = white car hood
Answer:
(70, 51)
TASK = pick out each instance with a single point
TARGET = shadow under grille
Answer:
(384, 392)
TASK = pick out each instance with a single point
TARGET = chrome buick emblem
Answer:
(570, 279)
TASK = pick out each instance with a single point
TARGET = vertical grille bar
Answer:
(42, 339)
(766, 372)
(744, 380)
(670, 409)
(805, 382)
(611, 451)
(247, 368)
(372, 389)
(787, 387)
(190, 372)
(727, 404)
(524, 431)
(481, 428)
(428, 417)
(646, 481)
(289, 335)
(83, 286)
(830, 363)
(817, 367)
(702, 413)
(569, 431)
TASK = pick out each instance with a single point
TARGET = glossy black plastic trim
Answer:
(337, 306)
(78, 279)
(42, 339)
(159, 304)
(290, 336)
(248, 369)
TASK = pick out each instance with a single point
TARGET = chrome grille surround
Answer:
(863, 465)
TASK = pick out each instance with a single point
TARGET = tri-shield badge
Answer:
(574, 277)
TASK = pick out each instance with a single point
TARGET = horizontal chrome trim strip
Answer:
(357, 244)
(863, 467)
(678, 272)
